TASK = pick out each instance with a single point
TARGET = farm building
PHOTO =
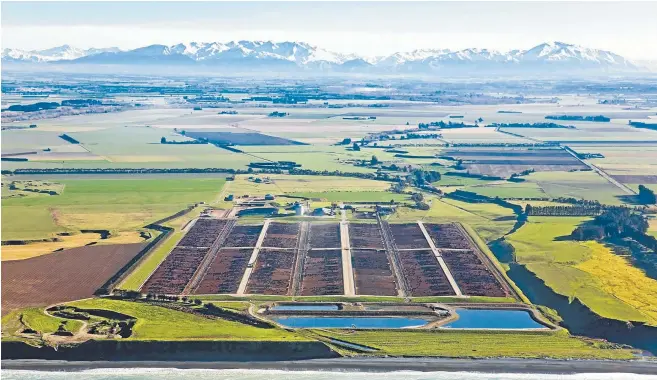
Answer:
(323, 211)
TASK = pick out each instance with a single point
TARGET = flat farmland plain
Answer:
(285, 184)
(587, 133)
(501, 162)
(555, 184)
(112, 204)
(582, 184)
(61, 276)
(629, 164)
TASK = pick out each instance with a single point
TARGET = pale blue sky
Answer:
(371, 28)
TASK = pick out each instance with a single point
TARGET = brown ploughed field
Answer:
(62, 276)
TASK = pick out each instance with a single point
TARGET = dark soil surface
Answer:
(61, 276)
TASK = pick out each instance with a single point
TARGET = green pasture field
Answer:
(452, 180)
(581, 184)
(288, 184)
(125, 147)
(142, 145)
(159, 323)
(479, 344)
(635, 186)
(29, 140)
(606, 283)
(112, 204)
(241, 307)
(354, 196)
(319, 157)
(509, 190)
(37, 320)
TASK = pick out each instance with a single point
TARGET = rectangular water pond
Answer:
(324, 307)
(493, 319)
(350, 322)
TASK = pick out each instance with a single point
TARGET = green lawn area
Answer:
(289, 184)
(589, 271)
(112, 204)
(354, 196)
(36, 320)
(581, 184)
(480, 344)
(158, 323)
(453, 180)
(509, 190)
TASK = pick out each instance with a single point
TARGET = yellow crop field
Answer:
(621, 279)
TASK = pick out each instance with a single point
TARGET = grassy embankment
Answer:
(480, 344)
(37, 320)
(158, 323)
(162, 324)
(605, 282)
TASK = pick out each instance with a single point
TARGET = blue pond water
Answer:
(493, 319)
(305, 307)
(349, 322)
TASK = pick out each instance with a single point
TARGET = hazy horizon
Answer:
(369, 28)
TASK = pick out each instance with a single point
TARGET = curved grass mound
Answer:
(62, 276)
(160, 323)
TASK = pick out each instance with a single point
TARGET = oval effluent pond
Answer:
(493, 319)
(285, 307)
(350, 322)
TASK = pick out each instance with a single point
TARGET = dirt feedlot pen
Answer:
(411, 259)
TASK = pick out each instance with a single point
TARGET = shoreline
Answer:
(530, 366)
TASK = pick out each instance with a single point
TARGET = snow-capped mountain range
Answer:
(267, 55)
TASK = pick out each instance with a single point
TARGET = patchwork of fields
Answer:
(501, 162)
(423, 253)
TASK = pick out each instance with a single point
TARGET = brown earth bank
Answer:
(203, 351)
(62, 276)
(538, 366)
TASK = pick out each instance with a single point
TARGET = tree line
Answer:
(577, 210)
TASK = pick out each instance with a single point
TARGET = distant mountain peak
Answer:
(245, 54)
